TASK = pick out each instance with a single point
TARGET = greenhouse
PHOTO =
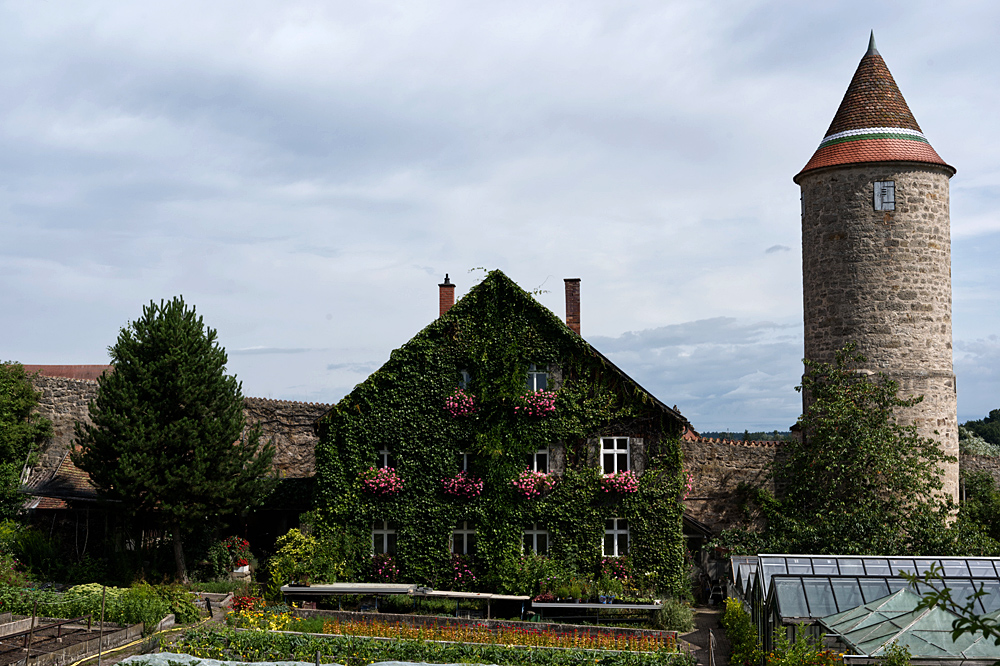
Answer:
(864, 634)
(797, 591)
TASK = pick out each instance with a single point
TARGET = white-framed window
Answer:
(885, 195)
(536, 539)
(538, 378)
(464, 379)
(464, 458)
(463, 539)
(383, 538)
(616, 454)
(539, 461)
(616, 537)
(385, 458)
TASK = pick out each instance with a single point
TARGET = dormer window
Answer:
(538, 378)
(885, 195)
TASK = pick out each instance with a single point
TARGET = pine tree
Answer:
(168, 439)
(21, 431)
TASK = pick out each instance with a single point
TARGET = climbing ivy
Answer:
(494, 334)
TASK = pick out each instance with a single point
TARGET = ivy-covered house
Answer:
(497, 435)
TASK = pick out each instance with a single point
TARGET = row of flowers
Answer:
(281, 619)
(533, 403)
(386, 482)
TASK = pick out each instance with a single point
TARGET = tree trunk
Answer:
(182, 573)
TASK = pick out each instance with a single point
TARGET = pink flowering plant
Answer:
(532, 484)
(463, 576)
(382, 481)
(620, 482)
(462, 485)
(619, 568)
(460, 403)
(384, 568)
(688, 484)
(537, 403)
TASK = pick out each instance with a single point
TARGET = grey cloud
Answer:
(359, 368)
(777, 248)
(721, 373)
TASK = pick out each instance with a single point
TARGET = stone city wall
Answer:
(290, 424)
(718, 467)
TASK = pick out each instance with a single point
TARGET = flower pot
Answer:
(242, 570)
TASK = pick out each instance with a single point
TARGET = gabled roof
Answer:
(519, 298)
(873, 123)
(66, 482)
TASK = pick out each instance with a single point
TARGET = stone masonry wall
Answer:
(290, 425)
(65, 401)
(882, 279)
(718, 467)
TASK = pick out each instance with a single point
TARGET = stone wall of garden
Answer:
(718, 466)
(289, 424)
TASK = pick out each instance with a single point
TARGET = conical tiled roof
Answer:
(873, 123)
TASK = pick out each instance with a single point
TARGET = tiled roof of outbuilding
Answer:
(873, 123)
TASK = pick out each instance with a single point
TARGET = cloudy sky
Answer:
(305, 173)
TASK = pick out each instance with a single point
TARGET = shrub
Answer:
(674, 616)
(803, 652)
(896, 655)
(302, 556)
(742, 634)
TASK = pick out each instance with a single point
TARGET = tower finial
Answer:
(871, 45)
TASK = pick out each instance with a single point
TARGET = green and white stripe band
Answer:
(873, 133)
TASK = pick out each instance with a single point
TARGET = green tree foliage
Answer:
(858, 482)
(981, 506)
(988, 428)
(22, 430)
(167, 440)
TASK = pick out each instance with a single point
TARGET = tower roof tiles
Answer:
(873, 123)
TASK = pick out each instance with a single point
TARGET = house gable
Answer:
(489, 340)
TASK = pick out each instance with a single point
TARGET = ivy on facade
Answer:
(488, 341)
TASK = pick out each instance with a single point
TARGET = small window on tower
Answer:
(885, 195)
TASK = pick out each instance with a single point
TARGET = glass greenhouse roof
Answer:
(800, 596)
(863, 566)
(871, 628)
(744, 568)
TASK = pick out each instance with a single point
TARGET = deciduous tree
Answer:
(858, 482)
(21, 431)
(168, 438)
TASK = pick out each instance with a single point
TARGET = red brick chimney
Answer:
(446, 295)
(573, 304)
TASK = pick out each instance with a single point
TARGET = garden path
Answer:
(707, 618)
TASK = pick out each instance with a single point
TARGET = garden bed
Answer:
(250, 645)
(54, 646)
(438, 620)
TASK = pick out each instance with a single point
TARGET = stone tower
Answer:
(876, 250)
